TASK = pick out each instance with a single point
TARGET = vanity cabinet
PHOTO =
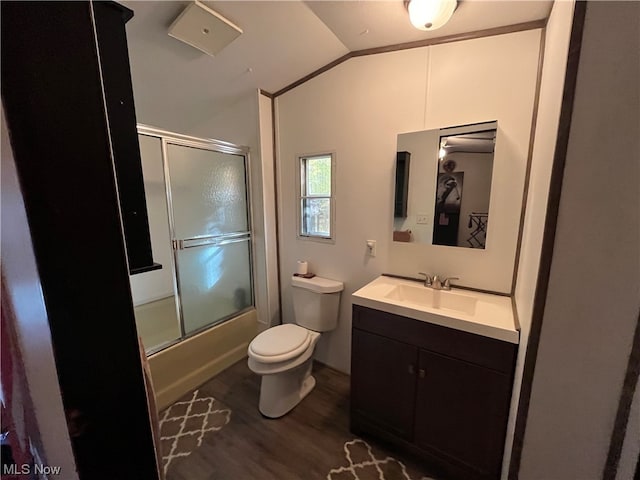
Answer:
(383, 387)
(441, 393)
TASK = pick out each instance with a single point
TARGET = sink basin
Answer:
(436, 299)
(462, 309)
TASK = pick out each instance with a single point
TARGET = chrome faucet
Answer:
(427, 279)
(436, 282)
(447, 282)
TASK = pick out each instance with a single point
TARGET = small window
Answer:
(316, 196)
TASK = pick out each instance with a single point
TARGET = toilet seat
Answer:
(281, 343)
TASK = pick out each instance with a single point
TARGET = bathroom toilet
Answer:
(283, 354)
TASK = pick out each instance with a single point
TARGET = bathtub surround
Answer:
(157, 323)
(185, 365)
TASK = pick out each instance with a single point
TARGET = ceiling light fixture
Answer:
(430, 15)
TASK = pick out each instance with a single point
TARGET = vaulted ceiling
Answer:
(282, 41)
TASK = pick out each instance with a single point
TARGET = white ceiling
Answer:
(282, 42)
(366, 24)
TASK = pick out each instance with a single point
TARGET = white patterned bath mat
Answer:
(184, 424)
(364, 465)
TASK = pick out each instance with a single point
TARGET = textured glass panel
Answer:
(318, 176)
(208, 192)
(215, 282)
(316, 217)
(153, 292)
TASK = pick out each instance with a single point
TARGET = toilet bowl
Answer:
(283, 354)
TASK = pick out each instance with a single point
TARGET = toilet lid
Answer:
(280, 343)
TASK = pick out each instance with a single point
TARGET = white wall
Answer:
(357, 109)
(423, 147)
(474, 81)
(150, 286)
(27, 311)
(556, 49)
(476, 188)
(269, 209)
(593, 299)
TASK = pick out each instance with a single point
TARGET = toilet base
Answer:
(281, 392)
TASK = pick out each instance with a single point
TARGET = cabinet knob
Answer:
(411, 370)
(421, 373)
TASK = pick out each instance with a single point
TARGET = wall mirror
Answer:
(443, 185)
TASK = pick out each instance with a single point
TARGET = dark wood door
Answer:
(54, 103)
(383, 383)
(461, 412)
(110, 19)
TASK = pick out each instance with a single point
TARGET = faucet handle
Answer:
(427, 278)
(447, 282)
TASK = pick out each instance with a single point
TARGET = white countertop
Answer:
(491, 315)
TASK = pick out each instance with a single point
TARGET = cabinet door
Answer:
(461, 412)
(383, 383)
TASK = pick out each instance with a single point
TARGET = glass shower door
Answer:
(210, 233)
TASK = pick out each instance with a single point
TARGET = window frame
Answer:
(301, 196)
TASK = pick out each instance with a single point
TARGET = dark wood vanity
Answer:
(440, 393)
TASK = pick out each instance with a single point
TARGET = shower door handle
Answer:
(214, 240)
(177, 244)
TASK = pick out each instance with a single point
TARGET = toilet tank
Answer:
(316, 302)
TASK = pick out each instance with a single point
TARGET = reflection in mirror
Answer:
(462, 220)
(448, 189)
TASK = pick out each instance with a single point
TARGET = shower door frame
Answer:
(167, 137)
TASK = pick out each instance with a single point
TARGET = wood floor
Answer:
(311, 442)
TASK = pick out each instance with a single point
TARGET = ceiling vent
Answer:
(204, 29)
